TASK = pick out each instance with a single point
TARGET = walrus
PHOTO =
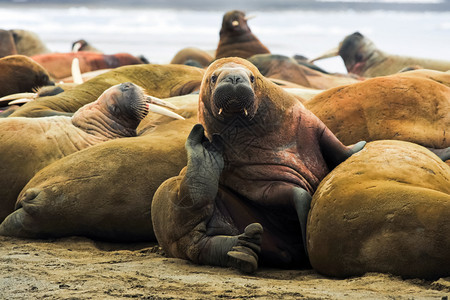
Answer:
(105, 191)
(385, 209)
(286, 68)
(236, 38)
(59, 64)
(83, 45)
(253, 163)
(192, 56)
(28, 42)
(7, 45)
(362, 58)
(19, 73)
(161, 81)
(29, 144)
(411, 107)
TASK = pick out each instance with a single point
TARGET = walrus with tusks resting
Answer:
(236, 38)
(161, 81)
(362, 58)
(59, 64)
(29, 144)
(253, 164)
(19, 74)
(105, 191)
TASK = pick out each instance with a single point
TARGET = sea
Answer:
(158, 29)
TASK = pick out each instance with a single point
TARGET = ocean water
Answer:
(159, 33)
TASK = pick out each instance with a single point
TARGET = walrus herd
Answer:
(258, 159)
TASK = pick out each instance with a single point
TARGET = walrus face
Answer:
(232, 92)
(356, 51)
(234, 22)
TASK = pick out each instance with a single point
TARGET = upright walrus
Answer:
(7, 45)
(261, 158)
(29, 144)
(161, 81)
(362, 58)
(105, 191)
(236, 38)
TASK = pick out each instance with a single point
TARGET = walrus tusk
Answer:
(158, 101)
(20, 101)
(163, 111)
(245, 111)
(235, 23)
(18, 96)
(220, 111)
(76, 72)
(250, 17)
(330, 53)
(76, 47)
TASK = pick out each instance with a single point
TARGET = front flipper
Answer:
(302, 202)
(247, 249)
(333, 151)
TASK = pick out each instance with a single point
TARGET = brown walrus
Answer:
(105, 191)
(7, 46)
(192, 57)
(409, 107)
(236, 38)
(29, 144)
(28, 43)
(83, 45)
(262, 156)
(362, 58)
(19, 73)
(161, 81)
(386, 209)
(286, 68)
(59, 64)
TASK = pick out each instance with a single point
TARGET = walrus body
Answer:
(7, 45)
(193, 57)
(161, 81)
(286, 68)
(265, 156)
(59, 64)
(105, 191)
(19, 73)
(236, 38)
(408, 106)
(362, 58)
(28, 43)
(29, 144)
(386, 209)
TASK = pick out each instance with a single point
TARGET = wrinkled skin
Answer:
(29, 144)
(245, 193)
(105, 191)
(361, 57)
(236, 38)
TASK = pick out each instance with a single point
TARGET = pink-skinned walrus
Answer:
(253, 164)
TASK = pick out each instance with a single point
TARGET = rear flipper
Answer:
(443, 154)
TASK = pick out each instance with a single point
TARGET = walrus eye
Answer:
(213, 79)
(252, 78)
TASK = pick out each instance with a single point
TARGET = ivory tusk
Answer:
(245, 111)
(18, 96)
(76, 72)
(76, 47)
(158, 101)
(249, 17)
(220, 111)
(20, 101)
(163, 111)
(235, 23)
(330, 53)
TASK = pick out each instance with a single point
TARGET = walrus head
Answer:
(120, 109)
(228, 90)
(234, 23)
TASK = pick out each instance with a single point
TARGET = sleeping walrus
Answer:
(29, 144)
(253, 169)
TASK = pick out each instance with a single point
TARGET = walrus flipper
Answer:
(302, 201)
(443, 154)
(333, 151)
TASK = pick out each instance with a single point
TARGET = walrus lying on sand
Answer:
(105, 191)
(29, 144)
(236, 38)
(161, 81)
(385, 209)
(362, 58)
(262, 156)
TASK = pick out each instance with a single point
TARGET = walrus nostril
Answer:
(234, 79)
(125, 86)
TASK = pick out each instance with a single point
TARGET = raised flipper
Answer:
(333, 151)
